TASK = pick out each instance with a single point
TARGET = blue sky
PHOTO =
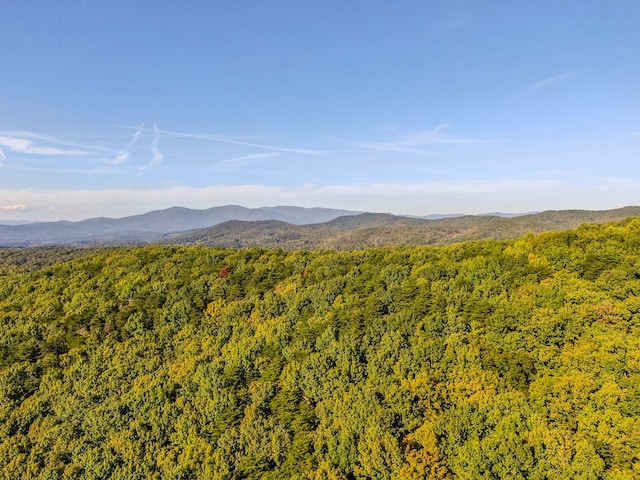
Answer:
(415, 107)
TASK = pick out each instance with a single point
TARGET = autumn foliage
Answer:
(480, 360)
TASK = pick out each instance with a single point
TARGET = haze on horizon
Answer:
(410, 107)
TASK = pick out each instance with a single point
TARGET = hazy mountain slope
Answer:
(275, 234)
(149, 227)
(179, 219)
(369, 230)
(294, 228)
(301, 215)
(15, 222)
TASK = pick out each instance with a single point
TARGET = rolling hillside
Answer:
(481, 360)
(294, 228)
(371, 230)
(150, 227)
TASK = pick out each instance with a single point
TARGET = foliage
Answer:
(516, 359)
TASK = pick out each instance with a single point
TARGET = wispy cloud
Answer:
(26, 146)
(157, 156)
(412, 142)
(544, 84)
(128, 158)
(50, 140)
(31, 145)
(124, 154)
(235, 141)
(12, 208)
(272, 148)
(248, 159)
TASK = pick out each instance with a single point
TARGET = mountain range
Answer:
(151, 227)
(292, 228)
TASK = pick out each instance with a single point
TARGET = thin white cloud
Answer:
(414, 141)
(235, 141)
(11, 208)
(257, 145)
(157, 155)
(123, 155)
(48, 139)
(544, 84)
(248, 159)
(53, 151)
(26, 146)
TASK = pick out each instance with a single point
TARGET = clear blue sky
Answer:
(110, 108)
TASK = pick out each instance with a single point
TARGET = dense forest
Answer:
(511, 359)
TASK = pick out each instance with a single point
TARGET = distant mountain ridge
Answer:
(16, 222)
(292, 228)
(152, 226)
(377, 229)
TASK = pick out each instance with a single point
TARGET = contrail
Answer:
(158, 156)
(247, 144)
(123, 155)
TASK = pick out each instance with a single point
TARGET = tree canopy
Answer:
(479, 360)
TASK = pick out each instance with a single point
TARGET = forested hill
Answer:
(377, 229)
(151, 226)
(295, 228)
(481, 360)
